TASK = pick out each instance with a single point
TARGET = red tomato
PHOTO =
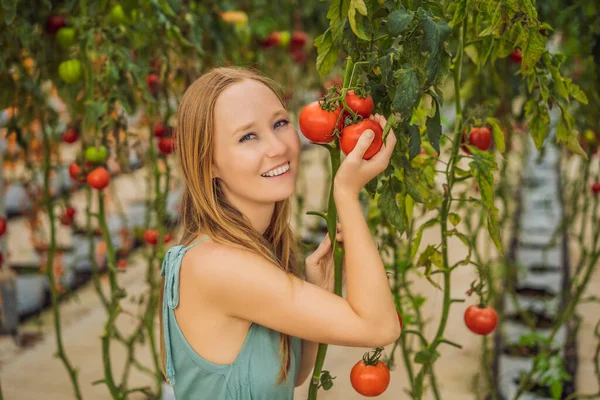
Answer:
(595, 189)
(479, 137)
(298, 40)
(70, 136)
(70, 212)
(76, 173)
(160, 130)
(98, 178)
(299, 56)
(271, 40)
(481, 321)
(166, 145)
(516, 56)
(153, 82)
(317, 125)
(122, 265)
(54, 23)
(66, 220)
(363, 107)
(351, 133)
(168, 237)
(151, 236)
(370, 380)
(2, 226)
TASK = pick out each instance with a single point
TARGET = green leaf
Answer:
(414, 247)
(398, 20)
(533, 50)
(529, 9)
(93, 112)
(389, 207)
(414, 144)
(565, 134)
(498, 134)
(482, 168)
(459, 13)
(463, 238)
(10, 10)
(575, 91)
(407, 92)
(496, 20)
(538, 120)
(556, 389)
(434, 128)
(328, 53)
(454, 218)
(338, 15)
(493, 228)
(425, 356)
(357, 28)
(434, 35)
(561, 89)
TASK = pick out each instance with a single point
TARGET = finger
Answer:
(364, 141)
(386, 151)
(321, 250)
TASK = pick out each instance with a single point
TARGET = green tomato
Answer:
(96, 155)
(117, 15)
(590, 136)
(65, 37)
(70, 71)
(284, 39)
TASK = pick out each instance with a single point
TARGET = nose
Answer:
(275, 146)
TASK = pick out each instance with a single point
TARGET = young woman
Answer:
(239, 319)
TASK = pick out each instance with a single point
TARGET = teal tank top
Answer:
(253, 374)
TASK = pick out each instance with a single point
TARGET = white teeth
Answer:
(277, 171)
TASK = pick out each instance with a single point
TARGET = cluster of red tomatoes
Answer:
(319, 124)
(98, 178)
(294, 42)
(166, 141)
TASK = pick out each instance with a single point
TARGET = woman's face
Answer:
(254, 143)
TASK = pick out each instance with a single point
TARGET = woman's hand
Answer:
(355, 172)
(320, 266)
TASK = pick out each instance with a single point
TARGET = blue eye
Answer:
(284, 122)
(246, 137)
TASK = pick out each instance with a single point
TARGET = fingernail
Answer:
(370, 134)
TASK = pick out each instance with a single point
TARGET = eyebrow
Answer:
(251, 124)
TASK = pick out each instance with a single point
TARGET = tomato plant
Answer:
(362, 106)
(70, 135)
(318, 125)
(153, 84)
(596, 188)
(166, 145)
(76, 173)
(70, 212)
(516, 56)
(54, 23)
(369, 376)
(160, 130)
(481, 320)
(98, 178)
(298, 41)
(352, 133)
(65, 37)
(96, 154)
(70, 71)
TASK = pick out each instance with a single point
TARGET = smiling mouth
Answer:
(281, 171)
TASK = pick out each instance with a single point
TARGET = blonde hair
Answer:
(204, 207)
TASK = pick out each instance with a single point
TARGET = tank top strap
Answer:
(171, 265)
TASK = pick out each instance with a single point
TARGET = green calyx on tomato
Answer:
(352, 133)
(96, 155)
(318, 125)
(370, 377)
(70, 71)
(362, 106)
(65, 37)
(481, 320)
